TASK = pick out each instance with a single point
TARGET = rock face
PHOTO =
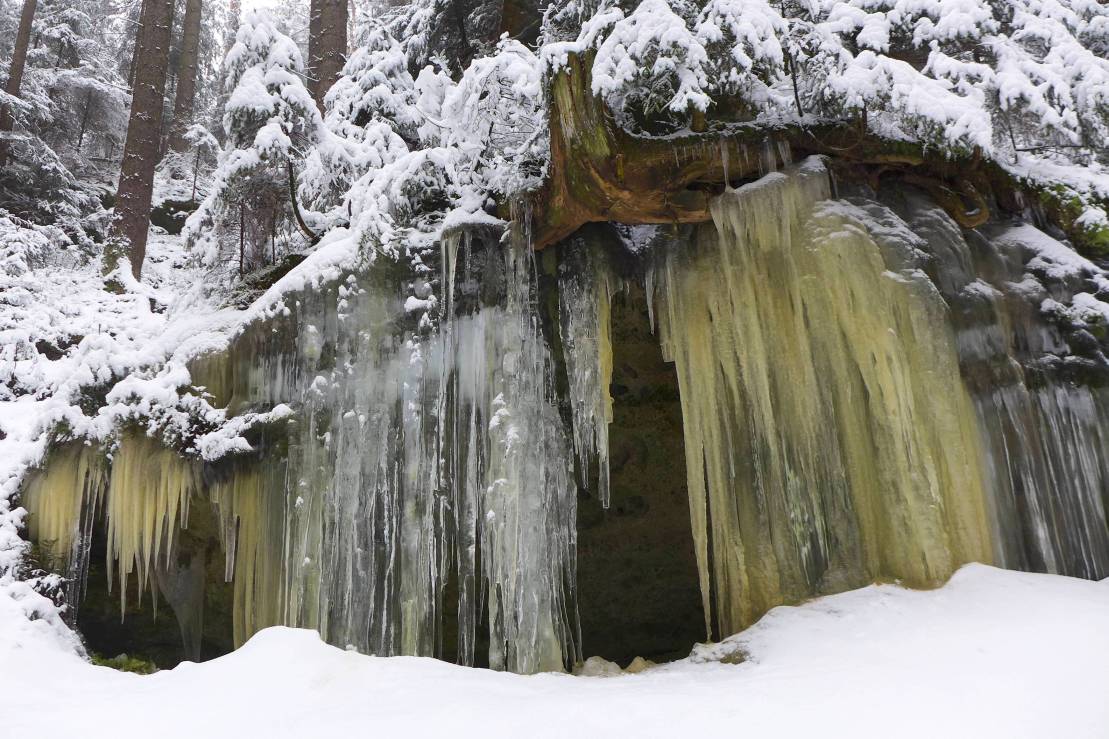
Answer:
(860, 389)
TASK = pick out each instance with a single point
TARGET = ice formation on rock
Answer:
(828, 437)
(585, 288)
(868, 392)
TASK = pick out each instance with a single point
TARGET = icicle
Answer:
(585, 288)
(411, 457)
(1047, 448)
(724, 162)
(767, 161)
(146, 503)
(785, 153)
(62, 500)
(828, 439)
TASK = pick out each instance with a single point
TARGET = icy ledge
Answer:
(991, 654)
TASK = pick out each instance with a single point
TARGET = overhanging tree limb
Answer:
(600, 172)
(311, 235)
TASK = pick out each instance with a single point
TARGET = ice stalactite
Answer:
(425, 477)
(63, 496)
(867, 392)
(418, 458)
(142, 494)
(146, 503)
(1049, 471)
(586, 285)
(829, 439)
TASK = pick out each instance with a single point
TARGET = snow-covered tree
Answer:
(68, 118)
(1028, 74)
(271, 122)
(454, 32)
(495, 115)
(652, 65)
(371, 120)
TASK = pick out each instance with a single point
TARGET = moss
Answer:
(1063, 206)
(125, 663)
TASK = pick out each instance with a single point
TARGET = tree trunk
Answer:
(84, 120)
(327, 45)
(134, 69)
(15, 72)
(186, 76)
(521, 20)
(196, 173)
(459, 11)
(140, 152)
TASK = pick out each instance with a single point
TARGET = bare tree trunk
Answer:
(140, 152)
(84, 119)
(186, 76)
(15, 72)
(135, 49)
(327, 45)
(521, 19)
(196, 173)
(242, 237)
(458, 14)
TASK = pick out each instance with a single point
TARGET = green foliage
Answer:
(125, 663)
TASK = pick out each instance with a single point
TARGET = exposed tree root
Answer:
(600, 172)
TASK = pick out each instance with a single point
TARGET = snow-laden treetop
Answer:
(1022, 82)
(409, 144)
(993, 74)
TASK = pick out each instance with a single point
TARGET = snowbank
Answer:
(992, 654)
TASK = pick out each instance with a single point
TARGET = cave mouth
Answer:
(148, 629)
(638, 589)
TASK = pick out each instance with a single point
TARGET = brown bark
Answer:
(186, 76)
(134, 68)
(140, 152)
(15, 71)
(327, 45)
(600, 172)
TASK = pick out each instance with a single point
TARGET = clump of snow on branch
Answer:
(653, 56)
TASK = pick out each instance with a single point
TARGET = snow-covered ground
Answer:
(991, 654)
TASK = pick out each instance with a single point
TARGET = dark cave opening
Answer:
(638, 592)
(191, 588)
(638, 589)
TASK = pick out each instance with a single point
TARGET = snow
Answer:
(653, 41)
(991, 654)
(479, 139)
(1052, 258)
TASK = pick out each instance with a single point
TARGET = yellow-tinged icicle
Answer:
(147, 502)
(253, 541)
(829, 437)
(56, 497)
